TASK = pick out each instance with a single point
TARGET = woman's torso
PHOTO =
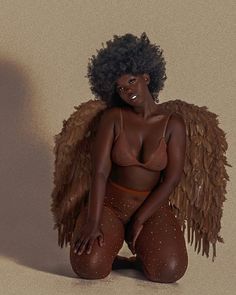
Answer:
(139, 151)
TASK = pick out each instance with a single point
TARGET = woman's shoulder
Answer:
(174, 116)
(176, 123)
(110, 115)
(113, 111)
(174, 120)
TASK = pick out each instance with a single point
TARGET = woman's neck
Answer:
(147, 109)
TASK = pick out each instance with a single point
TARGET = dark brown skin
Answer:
(143, 127)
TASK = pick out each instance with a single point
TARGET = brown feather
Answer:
(72, 175)
(205, 175)
(198, 198)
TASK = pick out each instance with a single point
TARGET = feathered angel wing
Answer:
(199, 197)
(72, 174)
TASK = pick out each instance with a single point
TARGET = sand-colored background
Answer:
(45, 46)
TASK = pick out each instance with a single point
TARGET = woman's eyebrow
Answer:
(117, 85)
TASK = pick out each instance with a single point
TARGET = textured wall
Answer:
(45, 46)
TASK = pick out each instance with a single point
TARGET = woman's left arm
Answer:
(176, 148)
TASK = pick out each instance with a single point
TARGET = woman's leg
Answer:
(161, 248)
(98, 264)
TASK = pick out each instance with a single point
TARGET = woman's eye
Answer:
(131, 81)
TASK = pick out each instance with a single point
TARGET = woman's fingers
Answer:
(132, 237)
(136, 236)
(78, 245)
(101, 240)
(87, 244)
(84, 242)
(82, 246)
(91, 242)
(90, 246)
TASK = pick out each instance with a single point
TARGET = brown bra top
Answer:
(122, 153)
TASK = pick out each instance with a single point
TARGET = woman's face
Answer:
(133, 89)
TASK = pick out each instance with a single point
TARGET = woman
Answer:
(138, 159)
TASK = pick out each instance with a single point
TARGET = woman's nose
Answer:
(128, 89)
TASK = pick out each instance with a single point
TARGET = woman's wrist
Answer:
(92, 222)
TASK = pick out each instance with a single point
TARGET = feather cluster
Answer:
(197, 201)
(73, 167)
(199, 197)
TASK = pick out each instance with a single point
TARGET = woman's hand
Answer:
(132, 232)
(87, 236)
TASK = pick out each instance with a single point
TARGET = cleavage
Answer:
(141, 153)
(135, 127)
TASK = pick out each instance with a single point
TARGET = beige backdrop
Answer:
(45, 46)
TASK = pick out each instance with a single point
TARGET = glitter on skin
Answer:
(152, 255)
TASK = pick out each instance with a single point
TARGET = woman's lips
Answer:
(133, 96)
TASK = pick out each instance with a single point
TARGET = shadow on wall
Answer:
(26, 223)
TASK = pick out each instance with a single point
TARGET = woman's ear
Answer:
(146, 78)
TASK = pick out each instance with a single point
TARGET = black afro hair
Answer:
(125, 54)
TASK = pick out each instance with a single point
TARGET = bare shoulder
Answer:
(108, 123)
(176, 123)
(110, 115)
(175, 119)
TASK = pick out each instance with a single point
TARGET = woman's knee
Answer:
(169, 271)
(90, 266)
(98, 263)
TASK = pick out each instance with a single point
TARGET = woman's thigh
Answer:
(161, 247)
(98, 263)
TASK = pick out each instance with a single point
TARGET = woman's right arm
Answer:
(101, 161)
(101, 167)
